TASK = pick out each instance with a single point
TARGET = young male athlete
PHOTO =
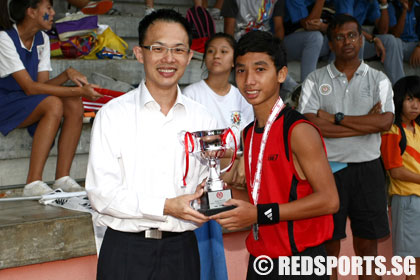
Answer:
(291, 190)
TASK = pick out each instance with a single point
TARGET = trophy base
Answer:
(212, 202)
(211, 212)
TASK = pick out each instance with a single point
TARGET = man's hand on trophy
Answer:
(180, 207)
(244, 215)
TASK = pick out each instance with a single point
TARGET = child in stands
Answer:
(29, 98)
(400, 152)
(215, 92)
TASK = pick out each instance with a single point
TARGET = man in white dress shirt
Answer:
(136, 164)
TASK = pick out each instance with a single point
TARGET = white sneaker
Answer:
(36, 188)
(215, 13)
(148, 11)
(67, 184)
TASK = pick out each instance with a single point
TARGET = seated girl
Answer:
(29, 98)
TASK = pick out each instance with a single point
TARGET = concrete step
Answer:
(61, 6)
(15, 150)
(126, 26)
(32, 233)
(126, 70)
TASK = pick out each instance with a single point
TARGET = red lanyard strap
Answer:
(225, 135)
(187, 139)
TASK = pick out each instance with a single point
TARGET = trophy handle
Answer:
(225, 135)
(188, 138)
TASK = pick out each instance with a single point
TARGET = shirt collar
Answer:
(146, 98)
(334, 73)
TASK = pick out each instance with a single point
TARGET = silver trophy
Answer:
(211, 145)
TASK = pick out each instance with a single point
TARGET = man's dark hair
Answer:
(167, 15)
(340, 20)
(407, 86)
(262, 42)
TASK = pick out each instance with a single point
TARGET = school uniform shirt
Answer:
(15, 104)
(137, 161)
(230, 110)
(410, 159)
(249, 14)
(411, 26)
(362, 10)
(9, 58)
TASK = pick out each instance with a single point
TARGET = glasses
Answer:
(163, 50)
(352, 37)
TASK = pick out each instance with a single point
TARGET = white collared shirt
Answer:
(137, 161)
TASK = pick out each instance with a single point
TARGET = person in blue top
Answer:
(29, 98)
(302, 30)
(381, 44)
(404, 25)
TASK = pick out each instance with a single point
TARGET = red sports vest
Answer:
(281, 184)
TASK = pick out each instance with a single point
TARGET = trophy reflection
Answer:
(211, 145)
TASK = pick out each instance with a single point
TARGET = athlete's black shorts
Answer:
(362, 192)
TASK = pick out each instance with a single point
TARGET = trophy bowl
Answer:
(211, 145)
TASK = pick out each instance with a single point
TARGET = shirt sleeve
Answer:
(344, 7)
(229, 9)
(44, 54)
(386, 93)
(105, 184)
(9, 58)
(297, 10)
(374, 12)
(309, 99)
(392, 15)
(390, 148)
(279, 9)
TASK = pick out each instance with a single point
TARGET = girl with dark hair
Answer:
(215, 92)
(29, 98)
(402, 163)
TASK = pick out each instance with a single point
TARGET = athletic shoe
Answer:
(215, 13)
(67, 184)
(36, 188)
(148, 11)
(97, 7)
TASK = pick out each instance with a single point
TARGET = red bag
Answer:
(92, 106)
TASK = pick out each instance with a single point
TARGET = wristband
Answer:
(383, 6)
(268, 214)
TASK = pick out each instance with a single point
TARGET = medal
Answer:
(255, 231)
(255, 184)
